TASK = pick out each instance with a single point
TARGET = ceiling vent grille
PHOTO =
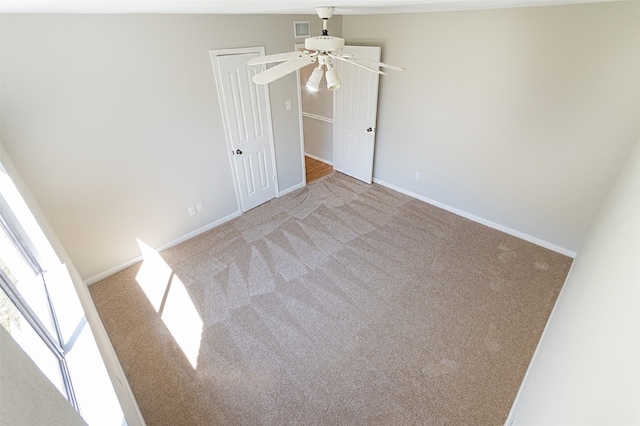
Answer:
(301, 29)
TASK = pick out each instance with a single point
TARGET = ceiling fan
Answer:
(320, 49)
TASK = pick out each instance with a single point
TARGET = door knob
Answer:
(238, 152)
(369, 130)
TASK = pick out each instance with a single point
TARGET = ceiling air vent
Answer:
(301, 29)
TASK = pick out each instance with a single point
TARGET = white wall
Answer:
(522, 117)
(586, 369)
(318, 139)
(114, 123)
(27, 397)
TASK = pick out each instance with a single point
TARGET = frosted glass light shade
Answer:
(333, 82)
(314, 79)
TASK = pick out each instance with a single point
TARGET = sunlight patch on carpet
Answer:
(172, 302)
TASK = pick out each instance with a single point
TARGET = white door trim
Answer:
(241, 51)
(300, 120)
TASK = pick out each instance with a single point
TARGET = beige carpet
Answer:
(339, 304)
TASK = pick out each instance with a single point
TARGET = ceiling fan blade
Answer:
(357, 64)
(278, 57)
(369, 61)
(283, 69)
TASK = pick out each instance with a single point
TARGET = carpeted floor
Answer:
(340, 303)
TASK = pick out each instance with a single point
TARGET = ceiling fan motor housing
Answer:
(320, 49)
(324, 43)
(325, 12)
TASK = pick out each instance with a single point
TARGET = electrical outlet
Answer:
(417, 176)
(199, 207)
(192, 210)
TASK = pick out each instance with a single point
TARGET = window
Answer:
(27, 313)
(41, 311)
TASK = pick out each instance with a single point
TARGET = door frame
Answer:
(301, 120)
(301, 116)
(333, 133)
(227, 127)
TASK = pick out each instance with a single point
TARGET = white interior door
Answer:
(247, 120)
(355, 109)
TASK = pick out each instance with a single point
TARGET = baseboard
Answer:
(98, 277)
(322, 160)
(528, 375)
(480, 220)
(94, 279)
(102, 275)
(291, 189)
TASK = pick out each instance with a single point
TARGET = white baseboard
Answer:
(98, 277)
(480, 220)
(322, 160)
(102, 275)
(94, 279)
(528, 375)
(290, 189)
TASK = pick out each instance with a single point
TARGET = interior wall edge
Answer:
(585, 369)
(291, 189)
(480, 220)
(114, 270)
(120, 153)
(499, 120)
(322, 160)
(528, 375)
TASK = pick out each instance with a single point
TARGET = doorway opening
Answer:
(316, 122)
(338, 127)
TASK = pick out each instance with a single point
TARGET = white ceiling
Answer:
(343, 7)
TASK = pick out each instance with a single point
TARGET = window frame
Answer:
(14, 230)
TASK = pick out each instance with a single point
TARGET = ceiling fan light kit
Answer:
(333, 82)
(314, 79)
(320, 49)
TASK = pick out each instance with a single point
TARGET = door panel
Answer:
(245, 111)
(354, 113)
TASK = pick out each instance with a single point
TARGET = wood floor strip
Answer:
(316, 169)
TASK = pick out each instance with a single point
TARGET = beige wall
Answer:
(522, 117)
(115, 125)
